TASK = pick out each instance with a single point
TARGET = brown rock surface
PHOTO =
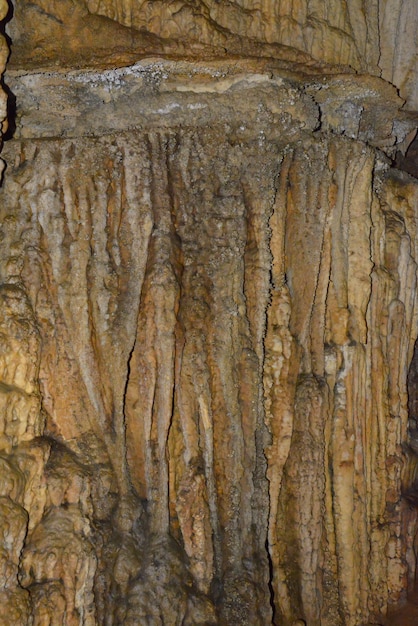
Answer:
(208, 315)
(373, 36)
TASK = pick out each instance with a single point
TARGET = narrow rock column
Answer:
(340, 335)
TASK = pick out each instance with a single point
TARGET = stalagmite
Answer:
(208, 313)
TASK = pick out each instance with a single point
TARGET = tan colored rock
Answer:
(317, 351)
(58, 550)
(208, 313)
(20, 408)
(398, 24)
(372, 37)
(15, 607)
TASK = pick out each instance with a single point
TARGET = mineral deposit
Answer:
(208, 312)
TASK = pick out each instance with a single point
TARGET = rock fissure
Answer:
(208, 313)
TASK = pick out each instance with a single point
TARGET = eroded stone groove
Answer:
(208, 312)
(161, 223)
(188, 405)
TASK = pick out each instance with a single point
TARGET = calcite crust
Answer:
(208, 314)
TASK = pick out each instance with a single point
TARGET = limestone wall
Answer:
(208, 312)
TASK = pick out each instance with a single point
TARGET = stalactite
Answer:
(208, 313)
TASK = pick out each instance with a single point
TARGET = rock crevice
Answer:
(208, 311)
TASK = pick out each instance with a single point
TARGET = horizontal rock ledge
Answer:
(252, 95)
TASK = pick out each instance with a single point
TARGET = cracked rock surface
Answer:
(208, 316)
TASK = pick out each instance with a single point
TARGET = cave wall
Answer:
(371, 36)
(208, 310)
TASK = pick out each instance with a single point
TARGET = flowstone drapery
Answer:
(208, 313)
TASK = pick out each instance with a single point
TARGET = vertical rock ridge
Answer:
(208, 310)
(330, 316)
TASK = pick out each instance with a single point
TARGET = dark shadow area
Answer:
(270, 583)
(406, 613)
(408, 162)
(6, 20)
(11, 112)
(412, 386)
(11, 98)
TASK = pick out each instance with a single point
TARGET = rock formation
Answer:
(208, 313)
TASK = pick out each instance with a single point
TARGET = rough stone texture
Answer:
(208, 316)
(373, 36)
